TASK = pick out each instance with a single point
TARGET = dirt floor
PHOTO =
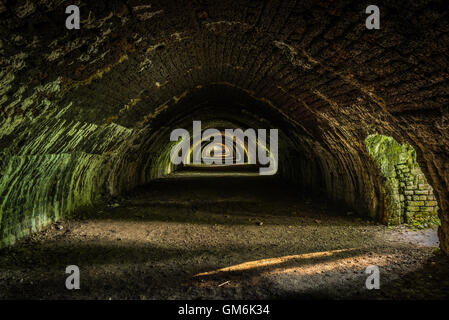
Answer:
(204, 235)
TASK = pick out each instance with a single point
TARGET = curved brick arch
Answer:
(76, 105)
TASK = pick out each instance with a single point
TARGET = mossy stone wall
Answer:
(408, 197)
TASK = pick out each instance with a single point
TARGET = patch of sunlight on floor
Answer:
(273, 261)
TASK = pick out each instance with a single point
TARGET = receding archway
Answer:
(85, 121)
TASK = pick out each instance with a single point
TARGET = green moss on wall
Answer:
(408, 197)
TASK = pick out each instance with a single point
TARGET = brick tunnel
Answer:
(85, 171)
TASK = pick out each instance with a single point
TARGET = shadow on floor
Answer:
(197, 198)
(129, 272)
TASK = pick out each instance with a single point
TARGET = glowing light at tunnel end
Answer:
(256, 148)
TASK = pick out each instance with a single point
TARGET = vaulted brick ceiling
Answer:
(84, 114)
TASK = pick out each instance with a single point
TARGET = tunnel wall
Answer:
(314, 62)
(69, 167)
(349, 180)
(39, 186)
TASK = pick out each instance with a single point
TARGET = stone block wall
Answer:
(416, 194)
(409, 198)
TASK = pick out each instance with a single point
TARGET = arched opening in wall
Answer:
(407, 196)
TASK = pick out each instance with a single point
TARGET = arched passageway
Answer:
(86, 117)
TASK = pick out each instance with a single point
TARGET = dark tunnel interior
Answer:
(356, 172)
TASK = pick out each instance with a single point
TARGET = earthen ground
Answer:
(230, 236)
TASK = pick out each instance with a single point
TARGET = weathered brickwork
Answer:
(408, 196)
(417, 194)
(84, 114)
